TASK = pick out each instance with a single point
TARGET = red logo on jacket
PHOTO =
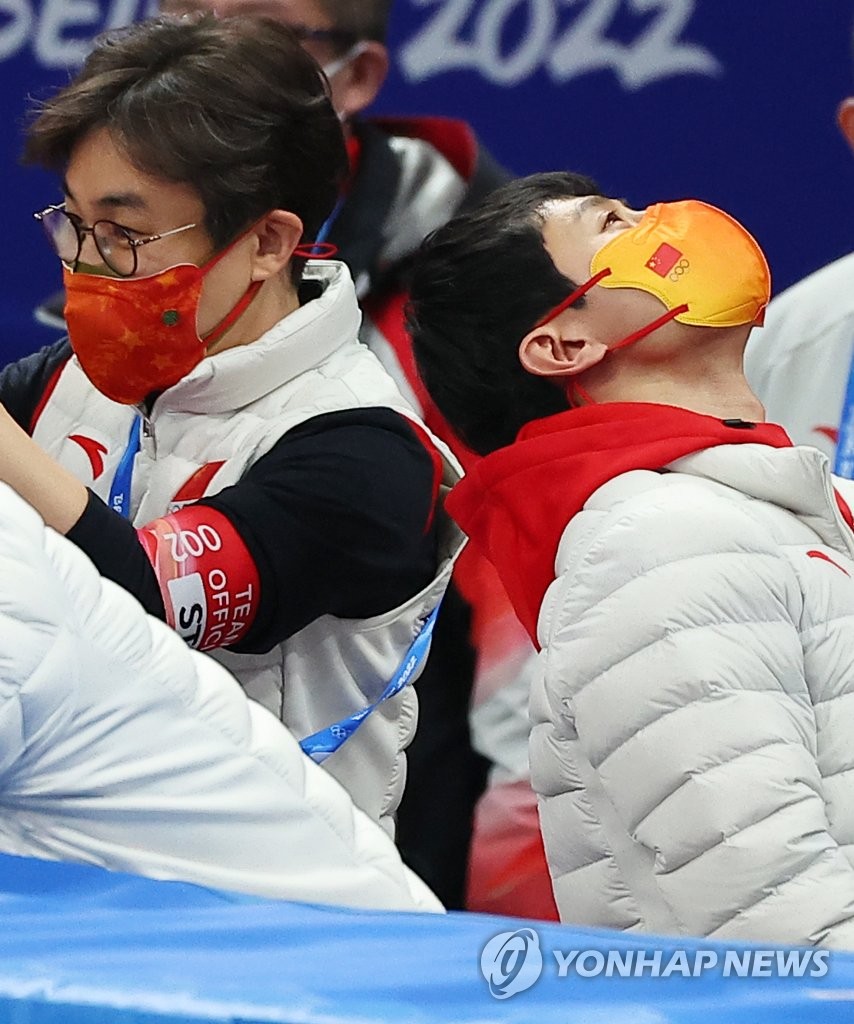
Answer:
(94, 450)
(827, 558)
(196, 485)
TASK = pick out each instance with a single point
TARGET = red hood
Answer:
(515, 504)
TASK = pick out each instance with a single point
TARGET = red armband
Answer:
(208, 580)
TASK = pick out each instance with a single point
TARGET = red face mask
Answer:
(137, 335)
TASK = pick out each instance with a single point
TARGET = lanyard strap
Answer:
(326, 226)
(321, 744)
(120, 487)
(844, 463)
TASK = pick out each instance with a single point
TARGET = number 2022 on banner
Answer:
(468, 34)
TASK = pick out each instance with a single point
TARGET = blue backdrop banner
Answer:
(730, 101)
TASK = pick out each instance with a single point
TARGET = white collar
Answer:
(797, 479)
(297, 343)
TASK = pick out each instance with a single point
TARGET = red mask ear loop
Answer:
(306, 250)
(575, 385)
(219, 329)
(231, 317)
(574, 297)
(644, 331)
(316, 250)
(574, 388)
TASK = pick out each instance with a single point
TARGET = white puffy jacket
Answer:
(692, 713)
(119, 746)
(800, 362)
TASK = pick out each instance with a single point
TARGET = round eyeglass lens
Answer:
(114, 246)
(62, 235)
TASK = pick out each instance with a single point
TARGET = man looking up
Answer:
(687, 573)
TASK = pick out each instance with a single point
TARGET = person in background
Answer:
(212, 433)
(406, 177)
(121, 747)
(801, 364)
(687, 573)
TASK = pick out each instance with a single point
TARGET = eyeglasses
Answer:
(116, 245)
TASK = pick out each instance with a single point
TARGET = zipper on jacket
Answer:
(148, 439)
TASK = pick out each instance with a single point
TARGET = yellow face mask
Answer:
(698, 261)
(693, 255)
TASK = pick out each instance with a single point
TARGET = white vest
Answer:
(234, 407)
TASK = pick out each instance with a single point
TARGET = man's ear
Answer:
(356, 87)
(845, 119)
(545, 353)
(277, 234)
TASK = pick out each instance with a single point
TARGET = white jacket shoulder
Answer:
(122, 747)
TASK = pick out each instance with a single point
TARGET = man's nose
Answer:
(88, 250)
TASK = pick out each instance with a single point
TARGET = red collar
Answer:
(515, 504)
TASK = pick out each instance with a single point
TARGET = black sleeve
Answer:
(338, 519)
(23, 384)
(113, 545)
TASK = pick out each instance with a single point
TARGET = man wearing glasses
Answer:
(406, 177)
(219, 443)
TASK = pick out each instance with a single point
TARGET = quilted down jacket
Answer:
(692, 712)
(120, 746)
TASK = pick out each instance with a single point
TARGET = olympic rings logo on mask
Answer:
(682, 267)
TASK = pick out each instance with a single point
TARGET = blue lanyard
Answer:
(321, 744)
(326, 226)
(844, 464)
(120, 487)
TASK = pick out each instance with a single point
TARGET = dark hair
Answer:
(479, 284)
(233, 107)
(360, 19)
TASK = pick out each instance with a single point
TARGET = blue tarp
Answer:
(81, 944)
